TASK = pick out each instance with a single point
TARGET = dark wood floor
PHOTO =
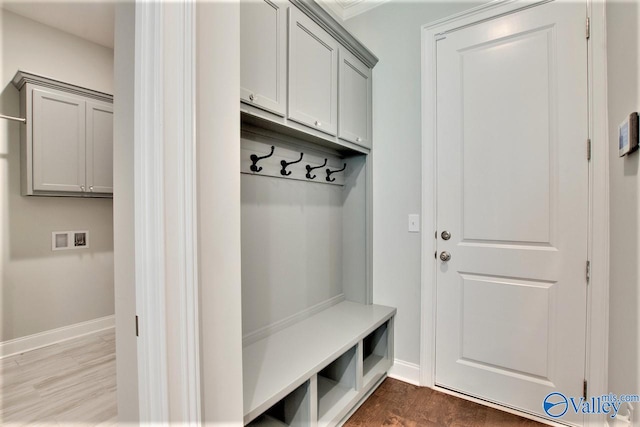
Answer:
(396, 403)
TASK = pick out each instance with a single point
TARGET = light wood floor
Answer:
(73, 382)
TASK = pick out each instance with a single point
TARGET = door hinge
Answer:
(588, 29)
(440, 37)
(137, 326)
(588, 271)
(589, 149)
(584, 389)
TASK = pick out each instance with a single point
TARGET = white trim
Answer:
(405, 371)
(598, 292)
(166, 213)
(344, 10)
(281, 324)
(54, 336)
(597, 327)
(149, 214)
(180, 209)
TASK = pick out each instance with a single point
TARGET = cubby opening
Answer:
(293, 410)
(375, 351)
(337, 385)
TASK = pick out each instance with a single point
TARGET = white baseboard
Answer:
(405, 371)
(53, 336)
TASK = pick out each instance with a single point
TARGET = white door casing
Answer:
(512, 189)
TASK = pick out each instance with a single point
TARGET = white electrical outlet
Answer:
(65, 240)
(414, 223)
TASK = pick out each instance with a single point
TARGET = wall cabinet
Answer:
(67, 140)
(328, 77)
(313, 74)
(263, 56)
(354, 123)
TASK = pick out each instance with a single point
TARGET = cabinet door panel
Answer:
(99, 147)
(58, 142)
(313, 74)
(355, 100)
(263, 61)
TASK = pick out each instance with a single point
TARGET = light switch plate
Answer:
(414, 223)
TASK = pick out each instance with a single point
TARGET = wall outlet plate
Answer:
(65, 240)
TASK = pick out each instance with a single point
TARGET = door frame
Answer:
(155, 212)
(598, 233)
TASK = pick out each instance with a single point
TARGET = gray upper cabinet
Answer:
(313, 74)
(67, 140)
(58, 143)
(263, 41)
(99, 147)
(355, 100)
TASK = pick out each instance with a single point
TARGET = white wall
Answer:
(41, 289)
(623, 68)
(392, 32)
(218, 156)
(123, 214)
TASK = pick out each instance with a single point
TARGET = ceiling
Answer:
(92, 20)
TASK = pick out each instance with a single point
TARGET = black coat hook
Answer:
(309, 169)
(255, 159)
(284, 164)
(330, 172)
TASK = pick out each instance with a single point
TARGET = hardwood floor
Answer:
(73, 382)
(396, 403)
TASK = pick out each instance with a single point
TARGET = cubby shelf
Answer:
(333, 398)
(275, 366)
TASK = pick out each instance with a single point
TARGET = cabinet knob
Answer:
(252, 97)
(318, 123)
(82, 188)
(91, 188)
(358, 139)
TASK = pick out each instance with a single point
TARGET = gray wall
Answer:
(392, 32)
(40, 289)
(623, 68)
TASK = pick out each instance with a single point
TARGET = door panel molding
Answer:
(597, 302)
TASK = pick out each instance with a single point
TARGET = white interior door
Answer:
(512, 192)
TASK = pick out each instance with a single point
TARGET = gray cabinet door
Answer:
(263, 61)
(355, 100)
(99, 147)
(58, 142)
(313, 74)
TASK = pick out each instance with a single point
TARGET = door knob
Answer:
(445, 235)
(445, 256)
